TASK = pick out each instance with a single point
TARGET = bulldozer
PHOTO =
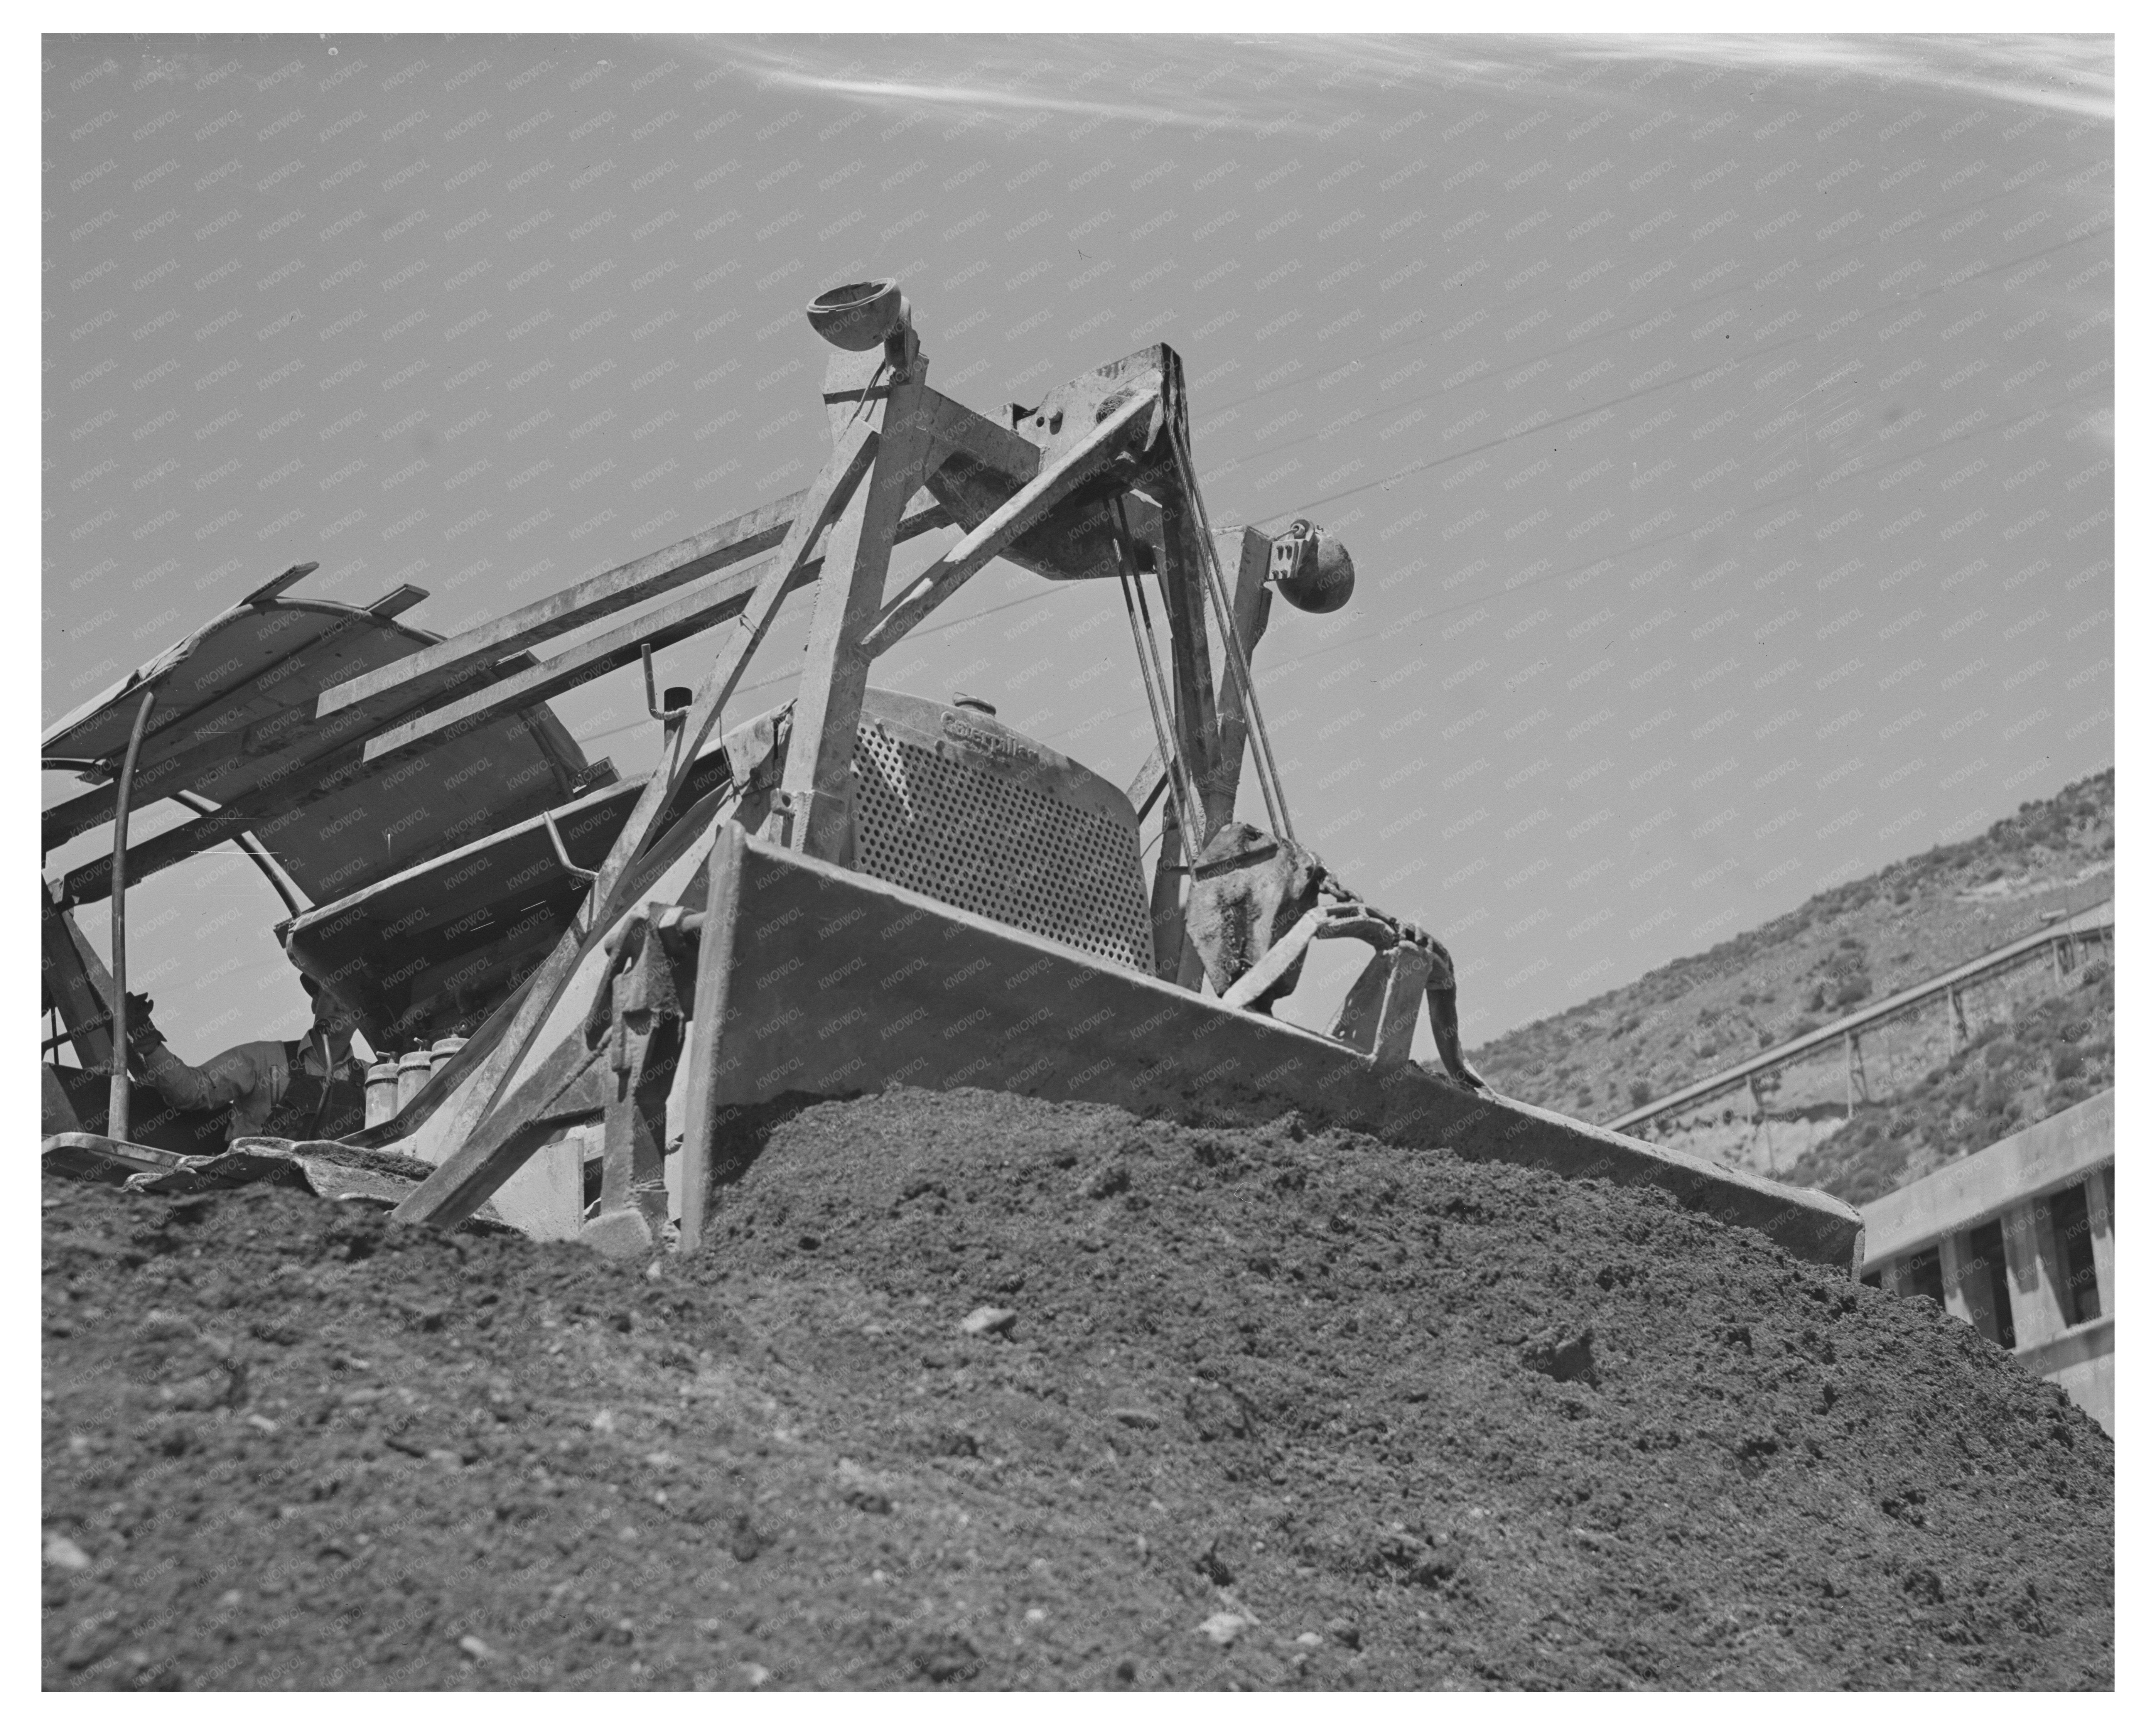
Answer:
(599, 983)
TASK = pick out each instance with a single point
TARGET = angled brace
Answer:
(1326, 922)
(1020, 515)
(481, 1161)
(1378, 1016)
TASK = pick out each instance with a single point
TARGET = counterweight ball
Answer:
(860, 315)
(1319, 576)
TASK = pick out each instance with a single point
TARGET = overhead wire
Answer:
(1702, 299)
(1527, 431)
(1505, 439)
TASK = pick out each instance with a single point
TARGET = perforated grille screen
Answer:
(998, 849)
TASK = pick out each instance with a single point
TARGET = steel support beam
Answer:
(76, 981)
(812, 811)
(367, 739)
(951, 426)
(849, 464)
(1019, 516)
(635, 582)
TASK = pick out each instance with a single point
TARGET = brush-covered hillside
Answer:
(1869, 937)
(2054, 1053)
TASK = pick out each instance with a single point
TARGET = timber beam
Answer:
(282, 784)
(953, 427)
(704, 604)
(631, 583)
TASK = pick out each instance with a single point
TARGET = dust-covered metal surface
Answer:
(1100, 1033)
(431, 950)
(327, 1169)
(235, 723)
(954, 804)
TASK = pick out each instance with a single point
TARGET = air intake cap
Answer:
(860, 315)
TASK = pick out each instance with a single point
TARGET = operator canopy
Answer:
(234, 724)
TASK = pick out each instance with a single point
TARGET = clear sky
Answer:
(1722, 426)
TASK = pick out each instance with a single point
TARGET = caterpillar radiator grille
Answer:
(962, 809)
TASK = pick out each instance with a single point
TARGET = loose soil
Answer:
(975, 1392)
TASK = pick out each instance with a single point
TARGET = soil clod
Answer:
(1564, 1356)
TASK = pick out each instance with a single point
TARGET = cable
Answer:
(1499, 442)
(1188, 805)
(1232, 654)
(1394, 479)
(1547, 576)
(1946, 215)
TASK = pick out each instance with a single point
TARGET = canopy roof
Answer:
(234, 724)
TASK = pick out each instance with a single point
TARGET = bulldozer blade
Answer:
(841, 984)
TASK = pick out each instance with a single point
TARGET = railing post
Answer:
(2033, 1277)
(117, 1105)
(2104, 1244)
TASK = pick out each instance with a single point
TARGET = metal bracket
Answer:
(1378, 1016)
(642, 1005)
(561, 850)
(669, 717)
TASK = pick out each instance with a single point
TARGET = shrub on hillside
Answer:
(1810, 957)
(2058, 1051)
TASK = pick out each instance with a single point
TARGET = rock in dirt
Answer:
(1565, 1355)
(1216, 1411)
(62, 1552)
(989, 1321)
(1223, 1627)
(1377, 1460)
(1108, 1181)
(90, 1639)
(947, 1658)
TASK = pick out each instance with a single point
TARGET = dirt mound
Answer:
(978, 1392)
